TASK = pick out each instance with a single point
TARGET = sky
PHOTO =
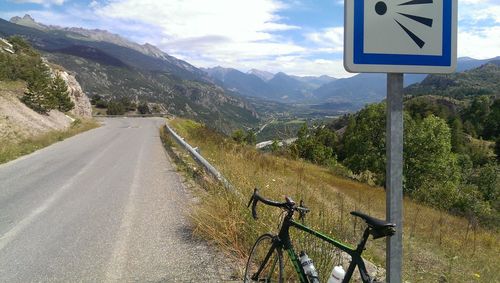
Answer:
(299, 37)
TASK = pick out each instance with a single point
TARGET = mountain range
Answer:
(110, 65)
(114, 67)
(321, 92)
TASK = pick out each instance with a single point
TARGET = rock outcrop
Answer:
(83, 107)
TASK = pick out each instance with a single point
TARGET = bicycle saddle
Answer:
(379, 228)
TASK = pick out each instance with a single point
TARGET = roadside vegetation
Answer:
(12, 150)
(438, 246)
(447, 164)
(120, 106)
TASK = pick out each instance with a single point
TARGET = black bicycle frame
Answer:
(355, 253)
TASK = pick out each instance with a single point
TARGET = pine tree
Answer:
(60, 95)
(38, 96)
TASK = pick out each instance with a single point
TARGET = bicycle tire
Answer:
(273, 269)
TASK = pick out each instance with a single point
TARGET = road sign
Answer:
(400, 36)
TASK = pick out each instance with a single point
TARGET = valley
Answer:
(124, 202)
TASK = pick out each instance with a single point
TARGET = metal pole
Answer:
(394, 175)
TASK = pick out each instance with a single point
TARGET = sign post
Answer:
(394, 174)
(397, 37)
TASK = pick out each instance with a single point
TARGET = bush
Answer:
(143, 108)
(238, 136)
(115, 108)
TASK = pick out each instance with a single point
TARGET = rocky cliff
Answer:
(82, 103)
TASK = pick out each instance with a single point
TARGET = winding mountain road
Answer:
(103, 206)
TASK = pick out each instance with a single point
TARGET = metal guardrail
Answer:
(203, 162)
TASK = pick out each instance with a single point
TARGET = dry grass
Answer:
(12, 150)
(438, 247)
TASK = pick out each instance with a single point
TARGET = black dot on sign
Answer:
(380, 8)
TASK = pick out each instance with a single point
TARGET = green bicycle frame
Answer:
(355, 253)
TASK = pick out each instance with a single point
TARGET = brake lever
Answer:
(252, 197)
(254, 210)
(253, 201)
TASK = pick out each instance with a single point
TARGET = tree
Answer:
(315, 145)
(275, 146)
(238, 136)
(250, 137)
(38, 96)
(364, 142)
(457, 135)
(430, 167)
(477, 113)
(492, 124)
(60, 95)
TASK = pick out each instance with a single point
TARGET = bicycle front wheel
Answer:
(265, 263)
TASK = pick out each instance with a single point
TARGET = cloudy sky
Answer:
(301, 37)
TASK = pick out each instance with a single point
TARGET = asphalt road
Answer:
(103, 206)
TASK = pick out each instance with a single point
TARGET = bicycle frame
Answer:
(355, 253)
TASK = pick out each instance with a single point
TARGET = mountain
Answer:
(289, 88)
(484, 80)
(239, 82)
(114, 67)
(28, 21)
(279, 87)
(263, 75)
(143, 57)
(357, 90)
(368, 88)
(315, 82)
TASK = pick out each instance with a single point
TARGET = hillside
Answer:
(18, 77)
(18, 122)
(439, 247)
(113, 67)
(484, 80)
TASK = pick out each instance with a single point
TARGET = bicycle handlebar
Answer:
(289, 204)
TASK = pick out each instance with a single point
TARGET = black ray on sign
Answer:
(413, 36)
(422, 20)
(416, 2)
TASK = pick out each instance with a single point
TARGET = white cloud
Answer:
(42, 2)
(479, 29)
(489, 13)
(230, 33)
(479, 43)
(239, 20)
(329, 39)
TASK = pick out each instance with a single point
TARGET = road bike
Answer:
(265, 263)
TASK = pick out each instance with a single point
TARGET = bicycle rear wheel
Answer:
(266, 259)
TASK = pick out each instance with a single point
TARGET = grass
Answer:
(10, 151)
(438, 247)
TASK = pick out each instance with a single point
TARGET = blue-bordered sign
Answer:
(400, 36)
